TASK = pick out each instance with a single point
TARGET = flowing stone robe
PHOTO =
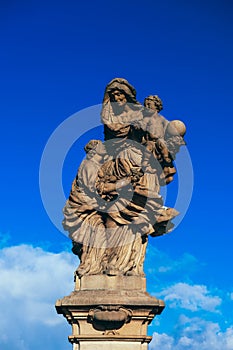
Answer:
(109, 229)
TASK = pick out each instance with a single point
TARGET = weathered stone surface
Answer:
(109, 297)
(109, 343)
(96, 282)
(115, 200)
(114, 205)
(109, 318)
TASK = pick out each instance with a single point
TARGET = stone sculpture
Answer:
(115, 200)
(114, 205)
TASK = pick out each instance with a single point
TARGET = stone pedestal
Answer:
(109, 313)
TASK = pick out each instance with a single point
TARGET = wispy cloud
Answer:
(195, 334)
(160, 267)
(190, 297)
(196, 316)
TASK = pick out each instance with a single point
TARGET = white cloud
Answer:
(31, 282)
(161, 342)
(190, 297)
(184, 262)
(195, 334)
(33, 279)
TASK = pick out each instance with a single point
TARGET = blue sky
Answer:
(56, 58)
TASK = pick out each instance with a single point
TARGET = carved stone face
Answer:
(118, 97)
(150, 103)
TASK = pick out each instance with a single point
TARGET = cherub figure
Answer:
(161, 137)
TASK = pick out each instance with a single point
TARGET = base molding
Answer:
(114, 318)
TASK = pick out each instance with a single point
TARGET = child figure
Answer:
(161, 138)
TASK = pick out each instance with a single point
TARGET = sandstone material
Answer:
(96, 282)
(115, 203)
(110, 318)
(115, 200)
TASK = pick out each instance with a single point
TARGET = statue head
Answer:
(153, 102)
(95, 146)
(121, 91)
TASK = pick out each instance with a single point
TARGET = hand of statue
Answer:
(150, 146)
(112, 187)
(104, 188)
(109, 187)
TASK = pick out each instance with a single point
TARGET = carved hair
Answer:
(157, 101)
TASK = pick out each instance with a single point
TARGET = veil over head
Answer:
(120, 84)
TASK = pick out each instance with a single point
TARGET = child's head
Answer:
(153, 102)
(95, 146)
